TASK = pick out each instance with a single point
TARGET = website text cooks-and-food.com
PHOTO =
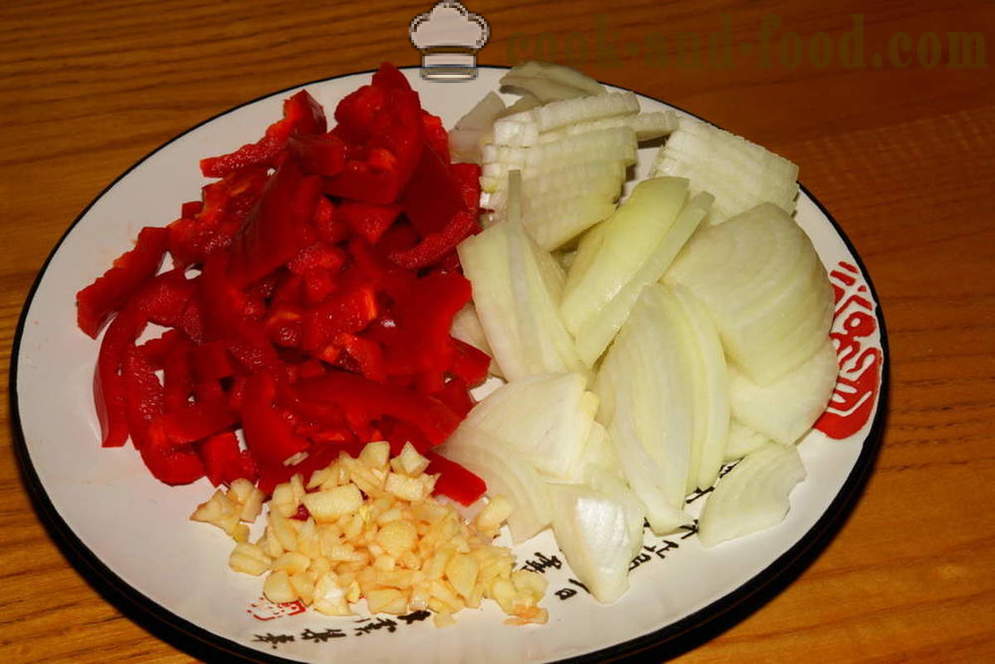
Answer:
(774, 45)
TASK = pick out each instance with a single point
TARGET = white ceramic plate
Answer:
(131, 536)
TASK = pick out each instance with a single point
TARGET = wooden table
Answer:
(899, 149)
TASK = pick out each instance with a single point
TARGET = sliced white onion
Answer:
(516, 291)
(597, 331)
(525, 102)
(742, 440)
(602, 176)
(599, 532)
(740, 174)
(550, 82)
(711, 394)
(786, 409)
(629, 238)
(646, 390)
(546, 418)
(763, 284)
(506, 473)
(648, 126)
(466, 136)
(752, 496)
(615, 143)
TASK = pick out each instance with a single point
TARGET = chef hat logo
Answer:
(449, 36)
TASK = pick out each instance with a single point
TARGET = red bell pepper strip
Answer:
(252, 351)
(109, 391)
(156, 350)
(355, 112)
(390, 77)
(366, 399)
(168, 462)
(349, 311)
(304, 114)
(399, 433)
(177, 376)
(455, 394)
(436, 245)
(367, 219)
(278, 228)
(317, 255)
(268, 435)
(327, 224)
(365, 355)
(425, 319)
(436, 136)
(191, 209)
(284, 325)
(195, 421)
(301, 113)
(432, 195)
(210, 391)
(467, 177)
(110, 292)
(455, 481)
(164, 298)
(211, 361)
(392, 152)
(469, 364)
(224, 462)
(321, 154)
(222, 304)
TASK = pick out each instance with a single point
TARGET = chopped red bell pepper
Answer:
(365, 355)
(168, 462)
(327, 224)
(195, 421)
(390, 77)
(301, 113)
(367, 400)
(424, 320)
(164, 298)
(367, 219)
(349, 311)
(455, 481)
(432, 196)
(436, 245)
(110, 292)
(467, 177)
(355, 112)
(177, 376)
(278, 228)
(284, 325)
(320, 154)
(268, 435)
(155, 350)
(211, 361)
(436, 136)
(456, 395)
(392, 152)
(191, 209)
(304, 114)
(316, 323)
(469, 364)
(222, 303)
(109, 391)
(224, 462)
(317, 255)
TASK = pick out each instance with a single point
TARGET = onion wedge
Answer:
(752, 496)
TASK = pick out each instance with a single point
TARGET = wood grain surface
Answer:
(900, 150)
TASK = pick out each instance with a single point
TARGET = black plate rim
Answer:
(668, 641)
